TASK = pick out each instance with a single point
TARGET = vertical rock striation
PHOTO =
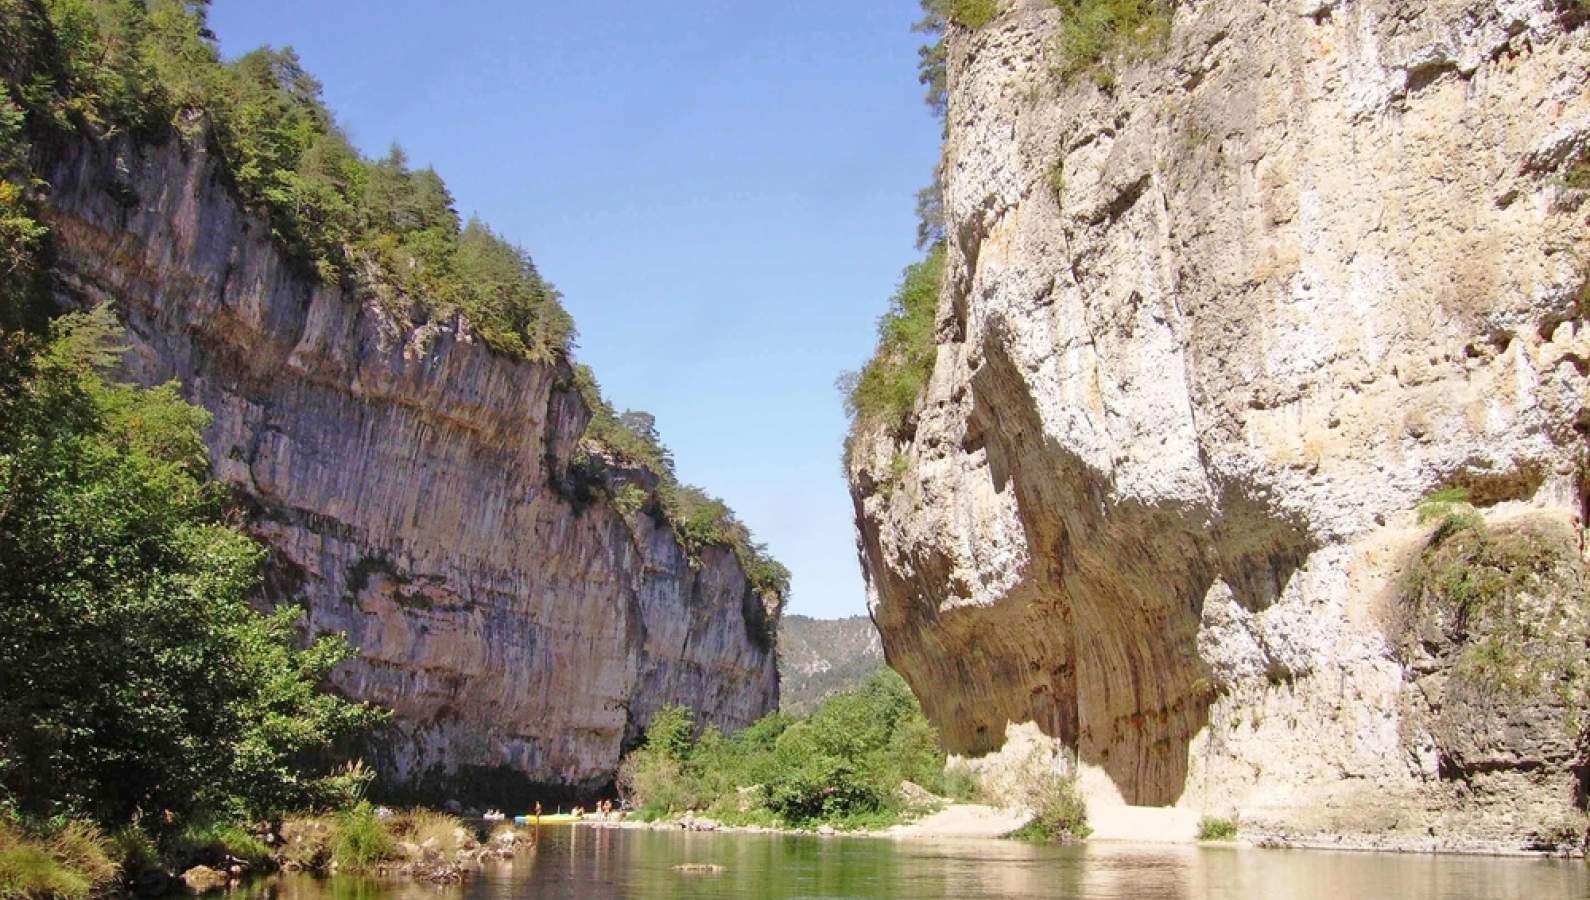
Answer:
(406, 478)
(1208, 336)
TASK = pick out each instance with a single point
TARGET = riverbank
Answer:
(1114, 825)
(954, 820)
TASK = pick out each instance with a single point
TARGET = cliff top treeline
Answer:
(141, 68)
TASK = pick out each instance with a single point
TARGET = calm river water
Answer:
(589, 862)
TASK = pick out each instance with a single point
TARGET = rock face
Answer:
(406, 480)
(1207, 337)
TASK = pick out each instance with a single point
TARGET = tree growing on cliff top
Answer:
(134, 675)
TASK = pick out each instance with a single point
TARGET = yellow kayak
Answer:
(560, 819)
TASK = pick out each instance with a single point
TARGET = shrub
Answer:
(973, 14)
(1214, 828)
(658, 785)
(961, 783)
(629, 498)
(884, 393)
(1059, 812)
(360, 840)
(1055, 178)
(1095, 35)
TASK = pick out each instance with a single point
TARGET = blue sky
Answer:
(722, 189)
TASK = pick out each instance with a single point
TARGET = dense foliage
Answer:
(840, 766)
(884, 393)
(134, 675)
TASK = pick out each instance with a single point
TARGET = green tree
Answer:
(672, 732)
(842, 765)
(134, 675)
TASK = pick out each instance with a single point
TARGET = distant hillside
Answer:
(818, 657)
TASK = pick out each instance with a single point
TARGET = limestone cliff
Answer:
(1210, 330)
(407, 480)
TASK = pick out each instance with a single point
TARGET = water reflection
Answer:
(585, 862)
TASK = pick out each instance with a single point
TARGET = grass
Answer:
(1215, 828)
(1097, 35)
(360, 840)
(210, 840)
(69, 862)
(135, 849)
(356, 839)
(1442, 503)
(430, 831)
(1056, 178)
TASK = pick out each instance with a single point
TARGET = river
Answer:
(590, 863)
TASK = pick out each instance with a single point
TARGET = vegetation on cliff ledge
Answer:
(1095, 37)
(615, 442)
(1098, 35)
(1501, 598)
(110, 69)
(884, 394)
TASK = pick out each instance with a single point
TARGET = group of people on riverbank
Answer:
(606, 811)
